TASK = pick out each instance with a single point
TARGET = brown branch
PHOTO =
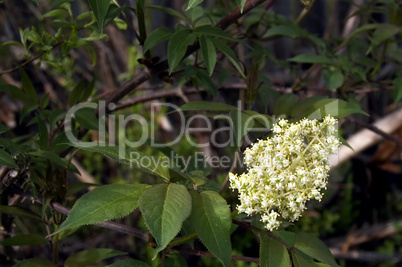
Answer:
(128, 87)
(22, 64)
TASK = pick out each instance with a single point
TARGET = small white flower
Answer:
(286, 170)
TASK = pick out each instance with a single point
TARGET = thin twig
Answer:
(34, 57)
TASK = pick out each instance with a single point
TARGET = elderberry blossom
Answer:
(286, 170)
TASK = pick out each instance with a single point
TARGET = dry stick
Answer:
(366, 138)
(378, 131)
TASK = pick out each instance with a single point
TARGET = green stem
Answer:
(304, 13)
(56, 246)
(182, 239)
(379, 63)
(234, 213)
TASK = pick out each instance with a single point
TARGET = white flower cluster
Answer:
(286, 170)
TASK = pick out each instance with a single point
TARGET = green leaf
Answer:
(7, 160)
(104, 203)
(28, 86)
(100, 9)
(212, 221)
(55, 116)
(51, 156)
(172, 12)
(44, 101)
(74, 188)
(397, 92)
(75, 95)
(240, 4)
(242, 124)
(193, 3)
(55, 13)
(157, 36)
(286, 236)
(130, 156)
(3, 128)
(334, 80)
(129, 263)
(86, 118)
(260, 120)
(177, 47)
(14, 92)
(301, 260)
(315, 248)
(306, 107)
(210, 31)
(208, 53)
(35, 262)
(43, 134)
(22, 240)
(227, 51)
(112, 12)
(11, 43)
(201, 78)
(313, 59)
(56, 3)
(164, 208)
(318, 108)
(382, 33)
(282, 30)
(205, 105)
(20, 212)
(61, 142)
(272, 252)
(284, 104)
(91, 256)
(26, 109)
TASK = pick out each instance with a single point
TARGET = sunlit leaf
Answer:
(193, 3)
